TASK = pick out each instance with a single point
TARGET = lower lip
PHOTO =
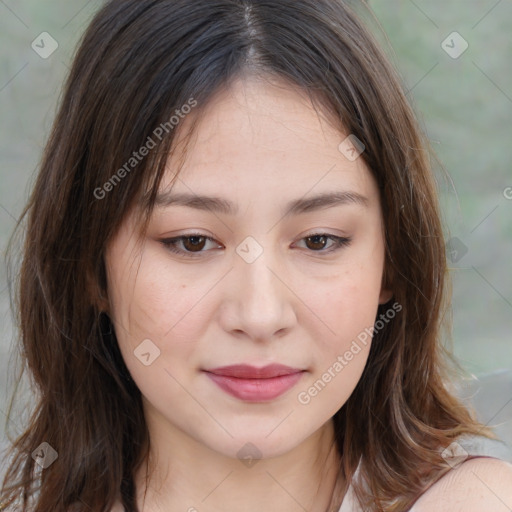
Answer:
(256, 390)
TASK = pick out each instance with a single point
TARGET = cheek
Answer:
(150, 299)
(348, 301)
(347, 309)
(159, 325)
(150, 302)
(344, 350)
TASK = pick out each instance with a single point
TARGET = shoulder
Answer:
(118, 507)
(477, 485)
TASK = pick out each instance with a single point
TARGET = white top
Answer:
(474, 445)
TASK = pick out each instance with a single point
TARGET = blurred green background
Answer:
(463, 103)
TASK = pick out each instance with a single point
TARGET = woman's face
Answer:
(265, 279)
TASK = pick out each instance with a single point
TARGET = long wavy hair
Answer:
(138, 62)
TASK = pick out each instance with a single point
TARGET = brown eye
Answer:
(189, 245)
(194, 243)
(318, 242)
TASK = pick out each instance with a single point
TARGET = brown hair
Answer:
(140, 61)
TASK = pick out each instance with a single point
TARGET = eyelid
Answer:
(168, 243)
(338, 242)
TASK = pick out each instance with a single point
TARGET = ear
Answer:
(386, 292)
(98, 296)
(385, 295)
(103, 304)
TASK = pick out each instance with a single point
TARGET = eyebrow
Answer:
(295, 207)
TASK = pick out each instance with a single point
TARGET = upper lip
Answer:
(245, 371)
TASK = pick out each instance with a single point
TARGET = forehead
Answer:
(258, 138)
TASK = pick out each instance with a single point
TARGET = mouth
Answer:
(252, 384)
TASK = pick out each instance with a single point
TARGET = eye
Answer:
(193, 244)
(318, 241)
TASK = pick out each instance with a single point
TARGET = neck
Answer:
(181, 474)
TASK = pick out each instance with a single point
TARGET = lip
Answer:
(247, 371)
(253, 384)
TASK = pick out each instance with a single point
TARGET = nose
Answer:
(258, 300)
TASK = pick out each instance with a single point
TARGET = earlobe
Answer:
(101, 300)
(98, 297)
(103, 305)
(385, 296)
(386, 292)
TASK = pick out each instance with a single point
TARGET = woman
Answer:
(235, 255)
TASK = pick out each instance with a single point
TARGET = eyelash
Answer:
(170, 243)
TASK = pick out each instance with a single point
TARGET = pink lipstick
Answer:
(253, 384)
